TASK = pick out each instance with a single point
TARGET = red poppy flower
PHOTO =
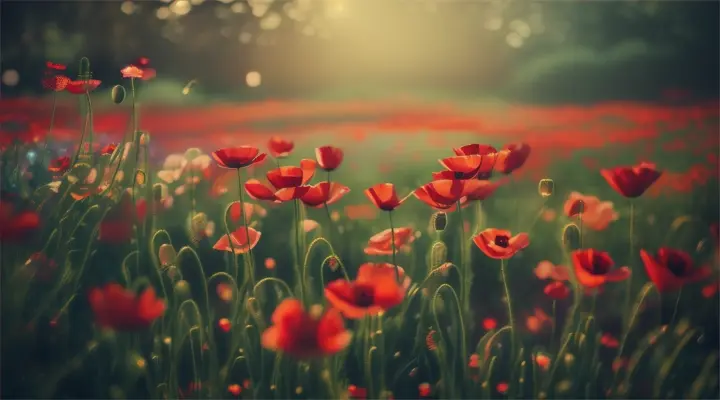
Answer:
(59, 165)
(279, 147)
(609, 341)
(329, 157)
(500, 244)
(355, 392)
(481, 190)
(242, 241)
(466, 167)
(117, 226)
(324, 193)
(56, 67)
(122, 310)
(287, 183)
(594, 268)
(301, 334)
(381, 244)
(16, 225)
(56, 83)
(670, 269)
(444, 194)
(631, 182)
(132, 71)
(374, 290)
(384, 196)
(474, 149)
(82, 86)
(557, 291)
(238, 157)
(512, 157)
(109, 149)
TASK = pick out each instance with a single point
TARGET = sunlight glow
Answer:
(253, 79)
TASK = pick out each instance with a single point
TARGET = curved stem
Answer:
(298, 232)
(675, 309)
(465, 279)
(52, 125)
(394, 250)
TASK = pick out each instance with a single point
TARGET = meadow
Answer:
(396, 248)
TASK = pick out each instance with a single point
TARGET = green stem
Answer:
(392, 238)
(52, 125)
(465, 280)
(513, 346)
(628, 287)
(249, 257)
(675, 309)
(298, 232)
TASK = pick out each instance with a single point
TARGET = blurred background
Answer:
(546, 51)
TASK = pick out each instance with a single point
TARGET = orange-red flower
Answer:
(122, 310)
(324, 193)
(474, 149)
(279, 147)
(288, 183)
(109, 149)
(512, 157)
(444, 194)
(557, 290)
(132, 71)
(384, 196)
(59, 165)
(242, 241)
(82, 86)
(595, 268)
(633, 181)
(54, 67)
(56, 83)
(374, 290)
(670, 269)
(301, 334)
(467, 166)
(238, 157)
(500, 244)
(329, 157)
(382, 243)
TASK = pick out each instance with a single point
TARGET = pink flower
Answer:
(596, 215)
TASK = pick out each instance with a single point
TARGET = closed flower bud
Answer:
(546, 187)
(438, 254)
(439, 221)
(118, 94)
(571, 237)
(167, 254)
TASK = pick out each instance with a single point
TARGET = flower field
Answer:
(401, 248)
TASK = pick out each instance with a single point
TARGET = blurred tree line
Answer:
(550, 50)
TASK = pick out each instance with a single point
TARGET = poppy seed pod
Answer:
(439, 221)
(571, 237)
(118, 94)
(84, 72)
(546, 187)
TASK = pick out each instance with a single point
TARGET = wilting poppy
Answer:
(384, 196)
(374, 290)
(329, 158)
(324, 193)
(238, 157)
(279, 147)
(594, 268)
(131, 71)
(242, 241)
(82, 86)
(382, 243)
(557, 290)
(500, 244)
(56, 83)
(109, 149)
(512, 157)
(670, 269)
(123, 310)
(302, 334)
(632, 181)
(59, 165)
(288, 183)
(444, 194)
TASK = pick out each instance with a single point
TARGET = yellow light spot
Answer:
(167, 340)
(127, 7)
(238, 8)
(162, 13)
(10, 77)
(253, 79)
(180, 7)
(514, 40)
(270, 21)
(298, 390)
(140, 363)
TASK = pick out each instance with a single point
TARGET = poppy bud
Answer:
(438, 254)
(571, 237)
(117, 94)
(182, 288)
(84, 72)
(144, 138)
(140, 177)
(546, 187)
(439, 221)
(167, 254)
